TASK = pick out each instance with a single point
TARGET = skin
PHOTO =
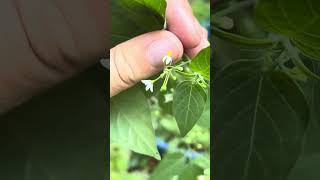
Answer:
(46, 42)
(43, 43)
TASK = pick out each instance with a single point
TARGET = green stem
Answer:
(234, 7)
(293, 52)
(203, 81)
(169, 66)
(164, 85)
(184, 73)
(184, 63)
(155, 80)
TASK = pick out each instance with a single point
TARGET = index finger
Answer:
(183, 24)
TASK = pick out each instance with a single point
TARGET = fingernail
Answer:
(206, 43)
(158, 49)
(193, 52)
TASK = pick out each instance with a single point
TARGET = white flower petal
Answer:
(164, 59)
(148, 84)
(151, 88)
(145, 82)
(167, 60)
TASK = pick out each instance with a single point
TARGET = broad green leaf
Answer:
(130, 123)
(188, 104)
(299, 20)
(204, 120)
(202, 161)
(201, 63)
(307, 167)
(60, 134)
(190, 172)
(131, 18)
(260, 117)
(170, 166)
(311, 90)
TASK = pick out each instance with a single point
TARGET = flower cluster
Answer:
(169, 73)
(167, 60)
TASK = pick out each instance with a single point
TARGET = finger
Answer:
(140, 58)
(203, 44)
(182, 23)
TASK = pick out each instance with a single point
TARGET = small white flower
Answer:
(148, 84)
(168, 58)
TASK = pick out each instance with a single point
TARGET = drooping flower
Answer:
(168, 58)
(148, 84)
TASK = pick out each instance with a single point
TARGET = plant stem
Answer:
(155, 80)
(184, 73)
(235, 7)
(183, 63)
(164, 85)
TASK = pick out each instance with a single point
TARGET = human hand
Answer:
(141, 57)
(43, 43)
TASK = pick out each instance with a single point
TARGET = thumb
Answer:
(140, 58)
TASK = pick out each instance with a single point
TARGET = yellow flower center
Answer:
(170, 53)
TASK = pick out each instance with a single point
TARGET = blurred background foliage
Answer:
(195, 146)
(237, 35)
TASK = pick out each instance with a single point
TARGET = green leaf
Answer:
(311, 90)
(170, 166)
(188, 104)
(190, 172)
(201, 63)
(202, 161)
(131, 18)
(204, 120)
(260, 118)
(60, 134)
(307, 167)
(303, 27)
(130, 123)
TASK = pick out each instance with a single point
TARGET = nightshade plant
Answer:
(266, 89)
(181, 91)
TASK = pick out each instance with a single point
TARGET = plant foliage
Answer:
(266, 89)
